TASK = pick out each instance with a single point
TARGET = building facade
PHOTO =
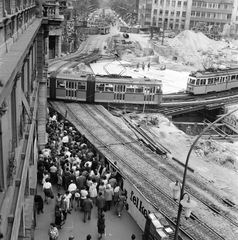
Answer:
(185, 14)
(23, 37)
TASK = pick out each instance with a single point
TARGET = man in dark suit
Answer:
(100, 203)
(39, 203)
(87, 208)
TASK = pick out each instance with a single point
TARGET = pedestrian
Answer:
(148, 66)
(116, 194)
(88, 237)
(53, 232)
(101, 202)
(39, 203)
(59, 217)
(138, 66)
(120, 204)
(143, 66)
(101, 226)
(64, 207)
(83, 196)
(71, 237)
(47, 187)
(133, 237)
(77, 199)
(93, 191)
(87, 208)
(108, 196)
(58, 200)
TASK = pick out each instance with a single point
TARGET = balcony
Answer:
(51, 13)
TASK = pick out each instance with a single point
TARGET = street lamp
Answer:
(183, 202)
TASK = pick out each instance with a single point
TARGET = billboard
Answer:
(139, 206)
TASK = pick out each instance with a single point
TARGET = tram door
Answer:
(149, 95)
(71, 90)
(119, 93)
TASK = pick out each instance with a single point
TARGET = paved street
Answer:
(116, 228)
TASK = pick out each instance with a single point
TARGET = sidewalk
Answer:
(116, 228)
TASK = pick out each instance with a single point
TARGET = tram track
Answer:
(164, 196)
(191, 179)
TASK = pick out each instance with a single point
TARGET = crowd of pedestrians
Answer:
(83, 180)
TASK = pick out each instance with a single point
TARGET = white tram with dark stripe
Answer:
(202, 82)
(95, 89)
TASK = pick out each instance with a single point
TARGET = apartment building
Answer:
(24, 34)
(185, 14)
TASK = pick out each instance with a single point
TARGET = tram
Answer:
(214, 80)
(96, 89)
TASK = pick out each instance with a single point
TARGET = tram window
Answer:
(236, 77)
(109, 88)
(48, 82)
(158, 90)
(198, 82)
(139, 89)
(99, 87)
(130, 90)
(60, 84)
(203, 81)
(192, 81)
(81, 86)
(233, 77)
(217, 80)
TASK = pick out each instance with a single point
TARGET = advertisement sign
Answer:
(139, 206)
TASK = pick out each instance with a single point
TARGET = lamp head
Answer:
(188, 205)
(176, 187)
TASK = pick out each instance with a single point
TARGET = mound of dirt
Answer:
(128, 55)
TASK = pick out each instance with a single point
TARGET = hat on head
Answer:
(71, 237)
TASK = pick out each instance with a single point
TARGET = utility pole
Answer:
(163, 32)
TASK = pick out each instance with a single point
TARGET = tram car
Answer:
(202, 82)
(95, 89)
(104, 30)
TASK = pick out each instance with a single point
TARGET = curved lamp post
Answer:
(176, 188)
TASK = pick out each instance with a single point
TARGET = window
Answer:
(172, 13)
(203, 14)
(193, 13)
(167, 2)
(228, 16)
(166, 12)
(179, 3)
(185, 4)
(208, 15)
(218, 5)
(155, 11)
(173, 3)
(139, 89)
(209, 5)
(194, 4)
(109, 87)
(225, 6)
(161, 12)
(199, 4)
(60, 84)
(183, 14)
(155, 1)
(198, 14)
(161, 2)
(204, 5)
(81, 85)
(99, 87)
(177, 20)
(178, 13)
